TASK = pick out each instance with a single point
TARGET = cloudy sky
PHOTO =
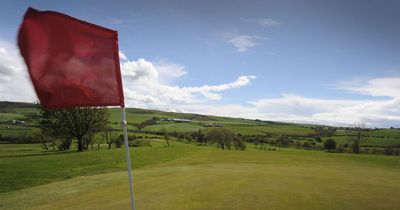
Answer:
(329, 62)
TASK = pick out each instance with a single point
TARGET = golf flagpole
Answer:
(128, 156)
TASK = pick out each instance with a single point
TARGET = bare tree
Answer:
(109, 136)
(357, 133)
(165, 134)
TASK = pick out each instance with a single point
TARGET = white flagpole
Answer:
(128, 156)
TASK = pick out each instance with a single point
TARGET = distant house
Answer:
(181, 120)
(18, 122)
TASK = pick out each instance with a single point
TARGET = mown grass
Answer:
(24, 165)
(207, 178)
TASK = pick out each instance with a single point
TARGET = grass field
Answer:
(378, 137)
(187, 176)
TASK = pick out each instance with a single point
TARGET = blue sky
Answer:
(330, 62)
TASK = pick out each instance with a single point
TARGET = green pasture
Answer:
(177, 127)
(10, 116)
(369, 141)
(187, 176)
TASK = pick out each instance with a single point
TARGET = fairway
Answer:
(208, 178)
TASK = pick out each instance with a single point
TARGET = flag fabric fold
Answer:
(71, 63)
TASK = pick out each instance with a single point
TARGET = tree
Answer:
(78, 123)
(330, 144)
(283, 141)
(181, 136)
(109, 136)
(238, 142)
(307, 145)
(201, 137)
(119, 141)
(357, 133)
(318, 139)
(298, 144)
(98, 142)
(222, 136)
(140, 126)
(165, 134)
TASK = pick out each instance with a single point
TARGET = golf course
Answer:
(192, 175)
(185, 176)
(199, 105)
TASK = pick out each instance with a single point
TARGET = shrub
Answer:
(330, 144)
(307, 145)
(318, 139)
(297, 144)
(271, 142)
(340, 148)
(388, 151)
(119, 141)
(141, 143)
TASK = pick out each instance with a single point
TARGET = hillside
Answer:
(187, 122)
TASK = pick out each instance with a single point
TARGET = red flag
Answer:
(71, 62)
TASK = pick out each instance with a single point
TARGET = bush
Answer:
(330, 144)
(297, 144)
(271, 142)
(141, 143)
(283, 141)
(307, 145)
(340, 148)
(388, 151)
(119, 141)
(239, 144)
(318, 139)
(65, 144)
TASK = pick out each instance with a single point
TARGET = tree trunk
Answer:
(80, 145)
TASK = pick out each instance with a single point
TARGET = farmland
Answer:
(190, 175)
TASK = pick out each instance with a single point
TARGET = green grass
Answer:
(177, 127)
(389, 133)
(378, 137)
(194, 177)
(23, 166)
(370, 141)
(186, 176)
(10, 116)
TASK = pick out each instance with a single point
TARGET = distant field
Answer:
(370, 141)
(378, 137)
(186, 176)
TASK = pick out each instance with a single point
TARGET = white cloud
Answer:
(14, 82)
(169, 70)
(262, 21)
(295, 108)
(145, 88)
(242, 42)
(148, 85)
(122, 56)
(300, 109)
(386, 86)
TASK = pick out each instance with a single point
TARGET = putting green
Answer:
(212, 179)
